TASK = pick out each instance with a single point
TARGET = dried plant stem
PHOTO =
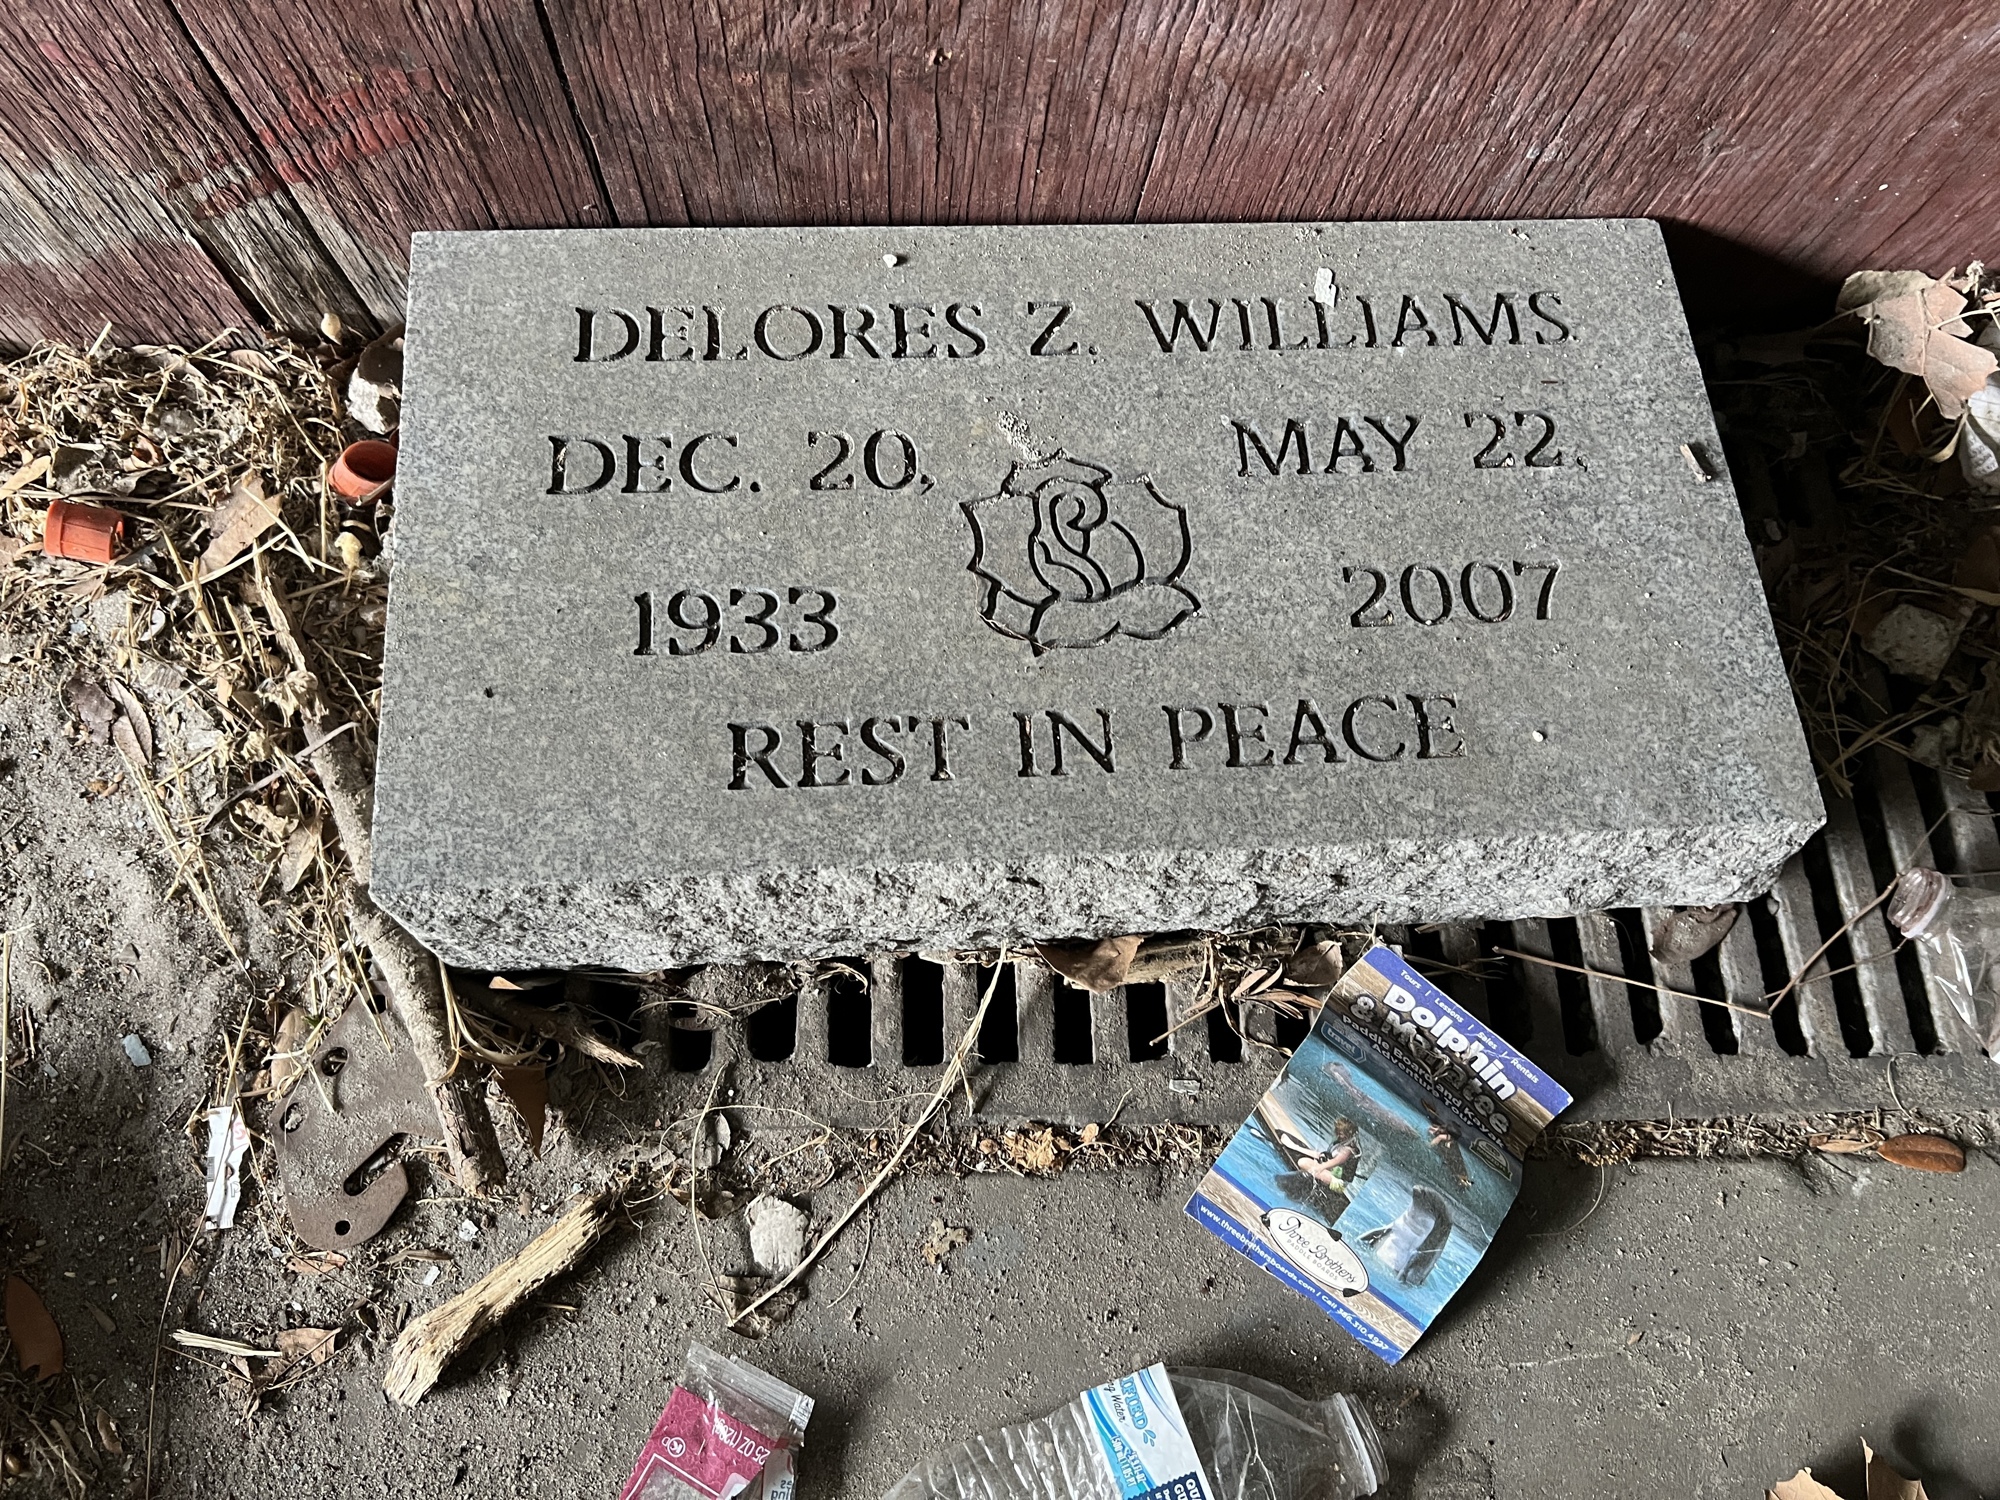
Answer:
(1605, 974)
(952, 1074)
(6, 1033)
(1839, 933)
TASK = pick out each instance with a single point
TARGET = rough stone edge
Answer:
(788, 914)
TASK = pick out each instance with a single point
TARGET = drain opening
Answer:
(1775, 972)
(1839, 960)
(772, 1031)
(1287, 1031)
(923, 1013)
(688, 1049)
(1506, 995)
(1635, 959)
(1579, 1022)
(1225, 1042)
(1874, 823)
(1070, 1024)
(1146, 1021)
(848, 1044)
(1000, 1032)
(1717, 1025)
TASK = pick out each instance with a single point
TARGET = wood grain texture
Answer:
(130, 194)
(293, 147)
(1767, 127)
(387, 116)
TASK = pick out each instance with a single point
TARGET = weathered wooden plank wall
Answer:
(171, 167)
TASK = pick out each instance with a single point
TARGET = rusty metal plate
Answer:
(364, 1089)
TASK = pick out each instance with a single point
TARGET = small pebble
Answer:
(467, 1230)
(136, 1051)
(892, 260)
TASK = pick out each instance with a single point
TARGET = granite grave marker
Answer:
(794, 592)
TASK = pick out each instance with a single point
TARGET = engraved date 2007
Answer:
(755, 621)
(1427, 594)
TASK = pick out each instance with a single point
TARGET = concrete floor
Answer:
(1696, 1329)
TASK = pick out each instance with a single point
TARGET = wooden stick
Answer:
(414, 980)
(432, 1341)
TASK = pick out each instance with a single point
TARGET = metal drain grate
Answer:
(1867, 1027)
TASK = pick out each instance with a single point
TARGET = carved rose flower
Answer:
(1070, 556)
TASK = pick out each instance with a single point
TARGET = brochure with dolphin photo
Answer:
(1372, 1175)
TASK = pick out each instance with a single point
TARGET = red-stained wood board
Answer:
(385, 117)
(129, 192)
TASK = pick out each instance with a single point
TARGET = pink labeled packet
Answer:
(728, 1430)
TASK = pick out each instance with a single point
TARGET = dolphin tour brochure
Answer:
(1373, 1173)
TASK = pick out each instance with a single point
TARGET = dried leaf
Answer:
(1914, 325)
(1097, 967)
(12, 549)
(1692, 931)
(1846, 1142)
(1317, 966)
(527, 1089)
(1923, 1152)
(1802, 1486)
(1884, 1483)
(38, 1342)
(135, 715)
(314, 1344)
(301, 849)
(24, 476)
(942, 1239)
(1032, 1150)
(107, 1433)
(243, 515)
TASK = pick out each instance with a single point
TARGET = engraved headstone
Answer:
(804, 592)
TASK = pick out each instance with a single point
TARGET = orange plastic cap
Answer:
(363, 470)
(83, 533)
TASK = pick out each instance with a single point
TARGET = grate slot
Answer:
(923, 1012)
(1070, 1024)
(771, 1032)
(1000, 1032)
(688, 1047)
(1838, 962)
(1681, 1027)
(1910, 847)
(849, 1039)
(1742, 975)
(1870, 939)
(1145, 1021)
(1538, 987)
(1225, 1042)
(1799, 933)
(1611, 1004)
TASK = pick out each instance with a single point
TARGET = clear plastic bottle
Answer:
(1255, 1441)
(1960, 926)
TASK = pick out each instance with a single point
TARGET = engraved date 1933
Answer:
(754, 620)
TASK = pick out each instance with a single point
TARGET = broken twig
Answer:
(435, 1339)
